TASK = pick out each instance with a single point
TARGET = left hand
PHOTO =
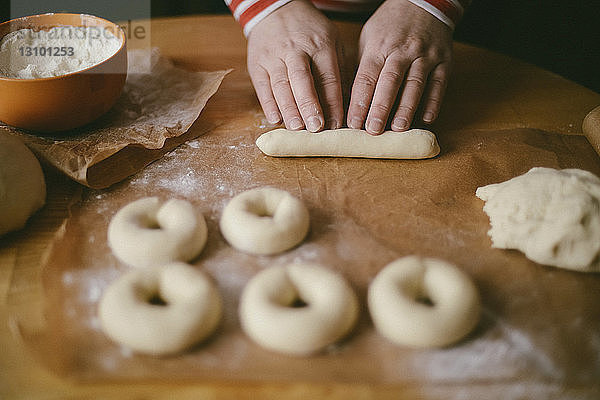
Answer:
(405, 53)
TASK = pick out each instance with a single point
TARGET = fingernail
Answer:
(375, 125)
(428, 116)
(356, 123)
(273, 118)
(314, 123)
(295, 123)
(400, 123)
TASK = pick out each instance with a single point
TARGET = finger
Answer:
(414, 86)
(436, 88)
(262, 86)
(363, 89)
(386, 91)
(303, 89)
(345, 74)
(284, 97)
(329, 88)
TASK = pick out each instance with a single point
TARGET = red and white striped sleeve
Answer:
(447, 11)
(250, 12)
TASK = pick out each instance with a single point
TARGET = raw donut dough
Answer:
(553, 216)
(129, 315)
(268, 315)
(146, 233)
(346, 142)
(264, 221)
(22, 185)
(399, 315)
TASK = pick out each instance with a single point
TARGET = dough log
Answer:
(346, 142)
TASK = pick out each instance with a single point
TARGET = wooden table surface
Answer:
(487, 91)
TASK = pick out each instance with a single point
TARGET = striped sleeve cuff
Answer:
(447, 11)
(250, 12)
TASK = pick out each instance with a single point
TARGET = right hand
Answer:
(405, 56)
(293, 57)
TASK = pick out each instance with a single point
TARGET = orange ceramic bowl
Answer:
(67, 101)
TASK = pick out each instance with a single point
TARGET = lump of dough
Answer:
(553, 216)
(346, 142)
(22, 185)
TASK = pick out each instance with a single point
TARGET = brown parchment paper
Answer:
(157, 107)
(540, 328)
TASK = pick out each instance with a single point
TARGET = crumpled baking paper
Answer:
(152, 117)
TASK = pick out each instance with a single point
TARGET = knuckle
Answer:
(321, 42)
(434, 102)
(437, 82)
(269, 105)
(279, 82)
(327, 78)
(261, 85)
(434, 96)
(366, 79)
(288, 109)
(299, 72)
(380, 109)
(325, 39)
(415, 79)
(312, 43)
(437, 55)
(391, 76)
(286, 45)
(414, 46)
(441, 53)
(406, 109)
(306, 106)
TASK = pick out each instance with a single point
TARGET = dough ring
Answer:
(398, 299)
(264, 221)
(146, 233)
(160, 310)
(271, 316)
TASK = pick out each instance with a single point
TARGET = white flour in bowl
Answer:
(27, 54)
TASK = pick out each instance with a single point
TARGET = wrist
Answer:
(289, 17)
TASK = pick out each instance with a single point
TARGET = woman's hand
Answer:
(293, 58)
(405, 56)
